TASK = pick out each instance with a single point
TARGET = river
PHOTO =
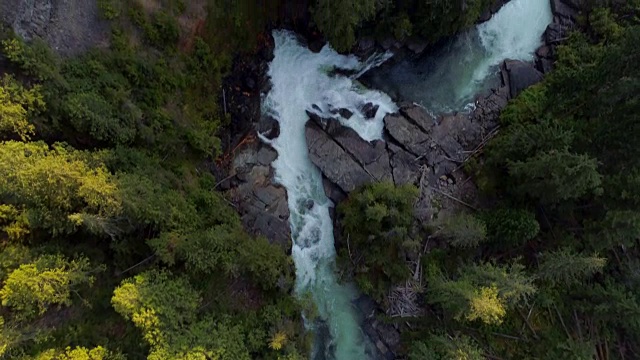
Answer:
(303, 81)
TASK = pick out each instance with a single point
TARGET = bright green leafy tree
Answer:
(34, 287)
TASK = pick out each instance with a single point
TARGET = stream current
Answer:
(303, 81)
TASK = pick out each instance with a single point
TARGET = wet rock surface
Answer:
(336, 164)
(416, 148)
(261, 202)
(521, 75)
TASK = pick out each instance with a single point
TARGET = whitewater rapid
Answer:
(450, 78)
(301, 79)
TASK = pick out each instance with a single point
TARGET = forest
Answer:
(115, 243)
(547, 267)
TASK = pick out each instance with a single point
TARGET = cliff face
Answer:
(68, 26)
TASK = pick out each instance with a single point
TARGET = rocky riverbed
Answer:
(417, 148)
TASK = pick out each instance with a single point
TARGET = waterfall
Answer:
(302, 81)
(450, 78)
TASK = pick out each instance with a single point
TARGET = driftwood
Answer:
(403, 299)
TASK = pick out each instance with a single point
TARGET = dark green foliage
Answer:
(555, 176)
(122, 97)
(442, 347)
(35, 59)
(511, 227)
(565, 268)
(137, 200)
(377, 223)
(437, 19)
(342, 21)
(339, 20)
(109, 8)
(160, 28)
(462, 230)
(557, 273)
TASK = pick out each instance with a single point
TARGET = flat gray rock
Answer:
(335, 163)
(419, 116)
(406, 134)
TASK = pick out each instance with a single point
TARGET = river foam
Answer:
(450, 78)
(302, 79)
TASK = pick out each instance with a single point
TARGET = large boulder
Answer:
(418, 116)
(404, 165)
(262, 203)
(521, 75)
(268, 127)
(562, 9)
(405, 133)
(371, 156)
(369, 110)
(336, 164)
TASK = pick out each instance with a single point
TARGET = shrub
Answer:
(376, 222)
(463, 230)
(511, 226)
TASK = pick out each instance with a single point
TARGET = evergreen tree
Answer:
(511, 227)
(33, 288)
(463, 230)
(78, 353)
(565, 267)
(16, 104)
(165, 307)
(446, 347)
(377, 223)
(55, 185)
(340, 20)
(555, 176)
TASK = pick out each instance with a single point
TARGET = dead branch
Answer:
(527, 323)
(479, 148)
(223, 180)
(403, 300)
(136, 265)
(575, 316)
(454, 199)
(562, 321)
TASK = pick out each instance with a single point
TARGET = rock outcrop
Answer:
(261, 202)
(68, 26)
(414, 145)
(521, 75)
(416, 148)
(343, 157)
(565, 15)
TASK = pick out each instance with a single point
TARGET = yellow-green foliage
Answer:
(33, 287)
(55, 184)
(78, 353)
(16, 105)
(146, 116)
(485, 306)
(278, 341)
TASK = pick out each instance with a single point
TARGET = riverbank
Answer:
(418, 148)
